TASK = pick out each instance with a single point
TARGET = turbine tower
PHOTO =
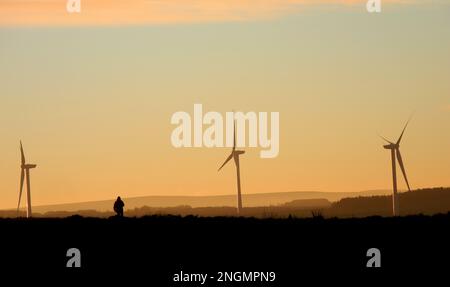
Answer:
(25, 173)
(235, 155)
(395, 154)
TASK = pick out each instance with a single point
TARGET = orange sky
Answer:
(93, 104)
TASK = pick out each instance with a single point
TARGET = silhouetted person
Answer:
(118, 207)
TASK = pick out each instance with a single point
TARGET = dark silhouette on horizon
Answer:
(118, 206)
(25, 174)
(428, 201)
(396, 155)
(235, 155)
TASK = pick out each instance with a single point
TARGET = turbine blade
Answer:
(385, 139)
(226, 161)
(22, 178)
(401, 135)
(400, 161)
(22, 154)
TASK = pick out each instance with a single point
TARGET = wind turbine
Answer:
(395, 154)
(235, 155)
(25, 173)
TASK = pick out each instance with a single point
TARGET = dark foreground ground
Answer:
(152, 250)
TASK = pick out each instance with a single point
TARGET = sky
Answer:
(92, 97)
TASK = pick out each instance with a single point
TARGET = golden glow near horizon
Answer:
(93, 104)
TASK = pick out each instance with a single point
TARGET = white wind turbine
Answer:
(395, 154)
(235, 155)
(25, 173)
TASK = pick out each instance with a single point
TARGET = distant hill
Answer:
(423, 201)
(249, 200)
(298, 207)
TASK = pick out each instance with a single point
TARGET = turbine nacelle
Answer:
(28, 166)
(391, 146)
(396, 145)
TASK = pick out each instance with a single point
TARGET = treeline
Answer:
(422, 201)
(300, 208)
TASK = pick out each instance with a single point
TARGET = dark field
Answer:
(152, 249)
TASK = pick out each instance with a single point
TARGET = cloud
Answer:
(136, 12)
